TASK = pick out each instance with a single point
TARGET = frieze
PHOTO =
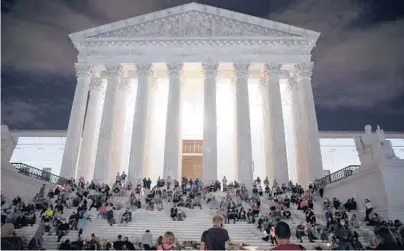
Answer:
(193, 52)
(194, 23)
(192, 42)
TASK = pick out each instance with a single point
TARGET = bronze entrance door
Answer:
(192, 159)
(192, 167)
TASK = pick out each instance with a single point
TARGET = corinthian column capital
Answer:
(84, 70)
(144, 69)
(293, 80)
(114, 70)
(241, 70)
(210, 69)
(304, 70)
(174, 68)
(272, 70)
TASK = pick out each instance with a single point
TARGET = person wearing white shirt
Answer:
(369, 208)
(147, 240)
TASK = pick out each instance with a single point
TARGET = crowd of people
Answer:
(234, 204)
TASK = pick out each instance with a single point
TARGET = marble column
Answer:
(103, 157)
(309, 162)
(118, 130)
(150, 150)
(91, 129)
(244, 149)
(298, 135)
(76, 121)
(173, 123)
(139, 129)
(276, 127)
(269, 169)
(209, 173)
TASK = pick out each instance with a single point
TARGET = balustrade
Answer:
(39, 174)
(339, 175)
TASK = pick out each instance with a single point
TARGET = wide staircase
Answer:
(191, 229)
(364, 231)
(158, 222)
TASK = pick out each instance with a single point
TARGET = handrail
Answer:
(39, 174)
(338, 175)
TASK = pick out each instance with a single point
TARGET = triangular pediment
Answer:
(194, 20)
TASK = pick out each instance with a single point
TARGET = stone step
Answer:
(159, 222)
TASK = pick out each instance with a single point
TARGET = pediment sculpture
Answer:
(194, 24)
(8, 144)
(374, 147)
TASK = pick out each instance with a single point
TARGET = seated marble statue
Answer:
(373, 147)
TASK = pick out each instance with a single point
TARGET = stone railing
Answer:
(39, 174)
(339, 175)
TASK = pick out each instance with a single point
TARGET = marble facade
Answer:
(226, 45)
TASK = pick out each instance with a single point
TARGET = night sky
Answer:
(358, 76)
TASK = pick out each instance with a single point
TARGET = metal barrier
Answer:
(39, 174)
(338, 175)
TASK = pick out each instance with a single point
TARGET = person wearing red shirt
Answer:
(282, 236)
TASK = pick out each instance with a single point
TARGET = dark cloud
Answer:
(358, 59)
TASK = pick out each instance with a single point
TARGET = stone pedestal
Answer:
(8, 144)
(378, 184)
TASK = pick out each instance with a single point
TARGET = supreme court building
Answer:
(193, 91)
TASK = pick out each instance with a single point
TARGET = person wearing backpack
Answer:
(169, 242)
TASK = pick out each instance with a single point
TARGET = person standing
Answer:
(118, 179)
(369, 208)
(216, 237)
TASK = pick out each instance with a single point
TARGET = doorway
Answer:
(192, 166)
